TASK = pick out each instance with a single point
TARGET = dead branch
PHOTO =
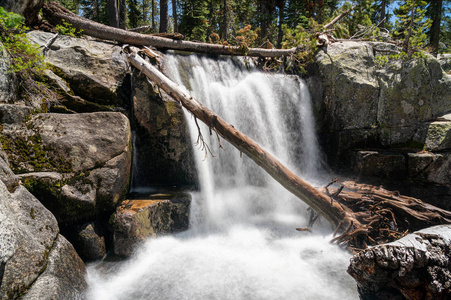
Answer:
(338, 18)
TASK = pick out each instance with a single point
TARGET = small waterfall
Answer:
(242, 243)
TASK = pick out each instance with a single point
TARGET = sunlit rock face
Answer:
(7, 78)
(137, 220)
(36, 262)
(393, 108)
(94, 71)
(78, 165)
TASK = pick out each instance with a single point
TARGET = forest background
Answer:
(419, 24)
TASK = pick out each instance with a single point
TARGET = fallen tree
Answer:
(56, 14)
(369, 217)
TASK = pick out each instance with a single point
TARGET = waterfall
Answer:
(242, 243)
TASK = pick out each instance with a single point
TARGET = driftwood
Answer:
(414, 267)
(55, 14)
(368, 217)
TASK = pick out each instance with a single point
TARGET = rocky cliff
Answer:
(385, 119)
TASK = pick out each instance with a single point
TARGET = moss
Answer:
(27, 154)
(32, 215)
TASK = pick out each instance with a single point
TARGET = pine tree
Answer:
(134, 13)
(411, 25)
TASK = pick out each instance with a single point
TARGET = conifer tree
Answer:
(411, 24)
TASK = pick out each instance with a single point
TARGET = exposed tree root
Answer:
(380, 216)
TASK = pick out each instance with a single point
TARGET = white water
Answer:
(242, 243)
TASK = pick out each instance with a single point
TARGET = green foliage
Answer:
(304, 41)
(9, 19)
(68, 29)
(25, 56)
(134, 13)
(411, 25)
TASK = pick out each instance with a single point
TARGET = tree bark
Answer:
(224, 21)
(382, 18)
(164, 16)
(123, 14)
(362, 218)
(174, 15)
(281, 5)
(55, 13)
(154, 25)
(112, 13)
(434, 38)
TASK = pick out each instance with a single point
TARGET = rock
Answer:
(85, 141)
(64, 278)
(7, 78)
(28, 8)
(381, 164)
(77, 165)
(7, 176)
(95, 71)
(14, 114)
(137, 220)
(438, 136)
(414, 267)
(29, 242)
(350, 89)
(162, 143)
(412, 92)
(89, 241)
(398, 107)
(445, 61)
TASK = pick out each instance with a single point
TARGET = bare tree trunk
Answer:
(174, 15)
(164, 16)
(122, 14)
(112, 13)
(224, 20)
(55, 13)
(434, 38)
(154, 25)
(281, 5)
(383, 7)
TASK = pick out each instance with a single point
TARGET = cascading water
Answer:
(242, 243)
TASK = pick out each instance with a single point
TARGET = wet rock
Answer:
(162, 142)
(137, 220)
(94, 70)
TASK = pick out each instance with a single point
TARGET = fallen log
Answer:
(56, 14)
(358, 217)
(414, 267)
